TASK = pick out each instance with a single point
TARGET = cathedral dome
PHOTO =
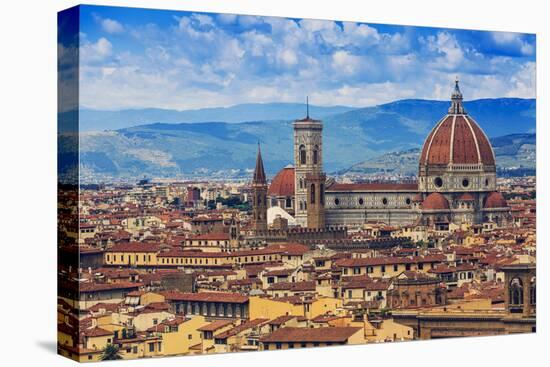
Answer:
(283, 183)
(495, 200)
(435, 201)
(457, 139)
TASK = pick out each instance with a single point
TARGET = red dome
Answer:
(435, 201)
(495, 200)
(457, 139)
(466, 197)
(283, 183)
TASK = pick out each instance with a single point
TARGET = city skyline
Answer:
(411, 220)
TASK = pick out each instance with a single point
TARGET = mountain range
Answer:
(93, 120)
(515, 155)
(182, 146)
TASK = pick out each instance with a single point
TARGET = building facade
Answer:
(456, 181)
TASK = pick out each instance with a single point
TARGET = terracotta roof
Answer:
(279, 272)
(495, 200)
(205, 297)
(211, 236)
(294, 249)
(305, 286)
(373, 187)
(281, 320)
(457, 139)
(369, 285)
(135, 247)
(373, 261)
(466, 197)
(414, 275)
(96, 332)
(283, 183)
(215, 325)
(97, 287)
(324, 334)
(161, 327)
(435, 201)
(240, 328)
(108, 307)
(308, 119)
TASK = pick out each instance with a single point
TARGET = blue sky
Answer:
(135, 58)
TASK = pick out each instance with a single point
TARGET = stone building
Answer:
(456, 181)
(478, 317)
(413, 289)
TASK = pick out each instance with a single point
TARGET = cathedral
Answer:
(456, 181)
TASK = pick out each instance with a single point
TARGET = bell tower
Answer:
(310, 178)
(259, 195)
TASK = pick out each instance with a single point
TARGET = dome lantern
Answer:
(457, 107)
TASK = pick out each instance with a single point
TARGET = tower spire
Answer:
(259, 196)
(259, 172)
(457, 106)
(307, 107)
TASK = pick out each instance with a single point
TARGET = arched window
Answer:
(533, 292)
(302, 150)
(322, 194)
(315, 154)
(516, 292)
(288, 203)
(312, 194)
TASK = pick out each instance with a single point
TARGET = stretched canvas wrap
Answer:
(235, 183)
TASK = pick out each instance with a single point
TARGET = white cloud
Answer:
(111, 26)
(227, 18)
(94, 52)
(344, 62)
(361, 34)
(202, 61)
(524, 82)
(446, 45)
(204, 19)
(288, 57)
(513, 41)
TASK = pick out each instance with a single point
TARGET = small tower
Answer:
(457, 107)
(309, 175)
(259, 195)
(234, 233)
(520, 289)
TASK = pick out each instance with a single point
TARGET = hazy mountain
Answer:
(515, 154)
(113, 120)
(360, 135)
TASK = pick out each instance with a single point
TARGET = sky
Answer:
(140, 58)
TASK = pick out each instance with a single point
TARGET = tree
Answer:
(110, 353)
